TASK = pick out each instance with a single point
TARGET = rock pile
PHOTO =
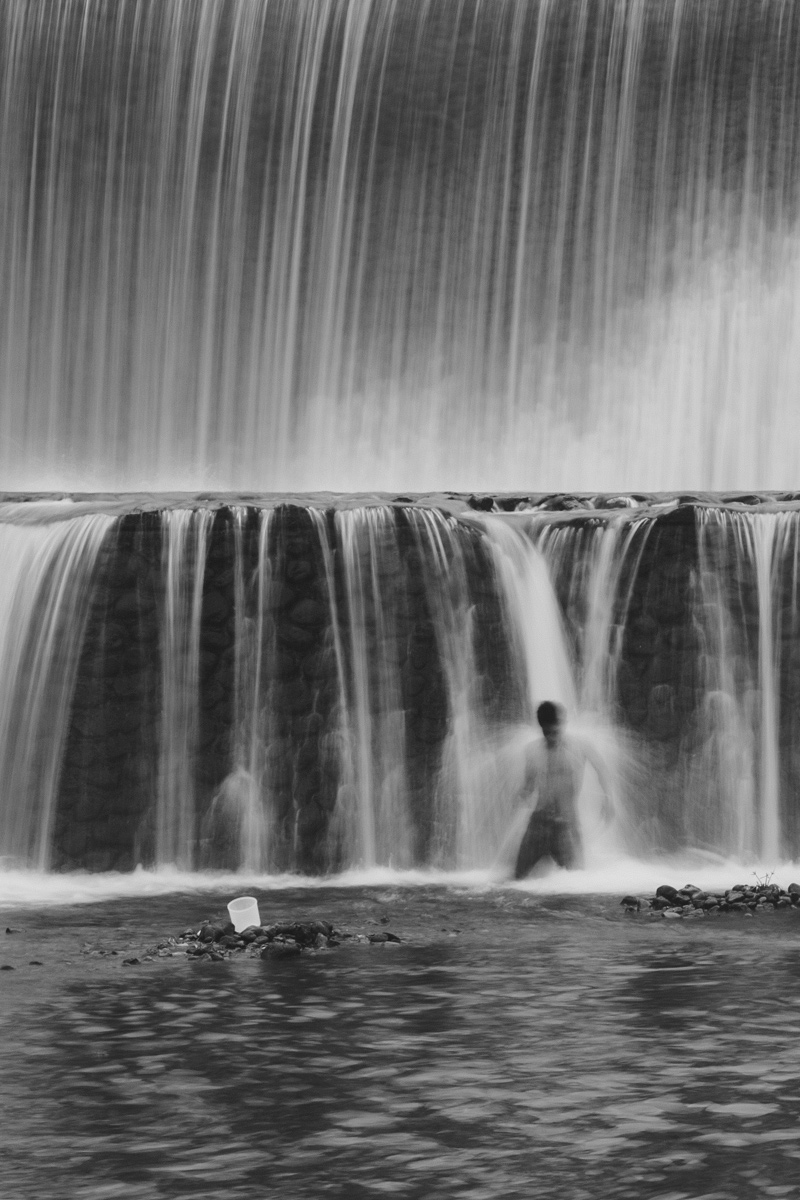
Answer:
(217, 940)
(691, 901)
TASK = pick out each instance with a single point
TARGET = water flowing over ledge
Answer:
(342, 685)
(352, 244)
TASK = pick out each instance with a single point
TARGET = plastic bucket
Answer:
(244, 912)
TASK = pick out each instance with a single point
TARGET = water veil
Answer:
(349, 692)
(355, 342)
(359, 244)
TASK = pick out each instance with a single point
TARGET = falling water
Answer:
(48, 571)
(763, 535)
(535, 616)
(288, 688)
(746, 666)
(352, 244)
(597, 582)
(184, 550)
(561, 576)
(240, 795)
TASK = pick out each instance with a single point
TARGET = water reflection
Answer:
(561, 1067)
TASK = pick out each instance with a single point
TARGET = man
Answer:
(554, 772)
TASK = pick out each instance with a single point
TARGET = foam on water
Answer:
(617, 876)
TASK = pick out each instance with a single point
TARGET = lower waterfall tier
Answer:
(317, 684)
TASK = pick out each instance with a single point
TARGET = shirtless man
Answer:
(554, 771)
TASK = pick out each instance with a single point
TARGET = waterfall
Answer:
(49, 570)
(186, 534)
(747, 669)
(270, 252)
(359, 244)
(373, 796)
(292, 688)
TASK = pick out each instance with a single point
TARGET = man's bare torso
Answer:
(555, 773)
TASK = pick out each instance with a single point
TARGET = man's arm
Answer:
(531, 774)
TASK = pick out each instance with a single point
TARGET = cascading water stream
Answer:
(535, 618)
(763, 536)
(47, 577)
(185, 534)
(383, 244)
(596, 565)
(239, 811)
(600, 583)
(296, 689)
(373, 720)
(358, 244)
(745, 663)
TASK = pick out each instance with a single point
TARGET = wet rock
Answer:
(304, 933)
(281, 950)
(562, 503)
(214, 932)
(691, 901)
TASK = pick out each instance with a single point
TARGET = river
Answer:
(511, 1045)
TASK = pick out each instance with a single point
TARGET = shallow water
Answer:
(512, 1046)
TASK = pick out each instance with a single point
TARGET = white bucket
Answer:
(244, 912)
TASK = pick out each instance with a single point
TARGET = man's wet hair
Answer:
(549, 713)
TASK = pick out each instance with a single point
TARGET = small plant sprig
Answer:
(763, 883)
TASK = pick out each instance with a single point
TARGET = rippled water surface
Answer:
(511, 1047)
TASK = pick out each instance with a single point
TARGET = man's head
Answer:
(550, 717)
